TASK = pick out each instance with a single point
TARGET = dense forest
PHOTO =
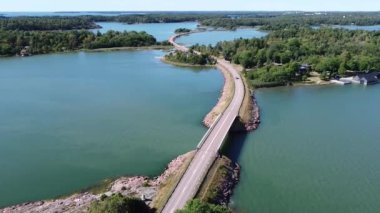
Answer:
(40, 42)
(278, 56)
(229, 20)
(291, 38)
(190, 58)
(46, 23)
(88, 22)
(281, 21)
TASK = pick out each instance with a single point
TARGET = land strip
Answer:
(208, 152)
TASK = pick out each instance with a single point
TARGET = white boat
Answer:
(350, 79)
(340, 82)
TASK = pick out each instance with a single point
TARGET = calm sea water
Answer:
(317, 150)
(213, 37)
(71, 120)
(354, 27)
(161, 31)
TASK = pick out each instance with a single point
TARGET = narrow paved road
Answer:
(194, 175)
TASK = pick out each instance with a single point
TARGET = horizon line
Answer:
(119, 11)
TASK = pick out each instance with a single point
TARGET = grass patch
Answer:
(245, 112)
(166, 189)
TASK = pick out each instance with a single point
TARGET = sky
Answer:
(188, 5)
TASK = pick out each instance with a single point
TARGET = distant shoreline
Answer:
(110, 49)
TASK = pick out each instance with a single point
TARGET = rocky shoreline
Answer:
(228, 184)
(255, 121)
(138, 186)
(220, 182)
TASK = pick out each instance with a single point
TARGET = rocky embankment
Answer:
(254, 122)
(228, 184)
(138, 186)
(220, 182)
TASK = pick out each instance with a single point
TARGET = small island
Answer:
(182, 30)
(189, 59)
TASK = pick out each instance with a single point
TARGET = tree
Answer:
(342, 68)
(182, 30)
(197, 206)
(246, 59)
(120, 204)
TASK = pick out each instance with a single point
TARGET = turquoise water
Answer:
(161, 31)
(71, 120)
(213, 37)
(354, 27)
(317, 150)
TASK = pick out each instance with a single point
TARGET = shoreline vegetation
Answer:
(191, 58)
(152, 47)
(179, 64)
(24, 43)
(285, 57)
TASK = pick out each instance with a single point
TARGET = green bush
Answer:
(190, 58)
(120, 204)
(197, 206)
(182, 30)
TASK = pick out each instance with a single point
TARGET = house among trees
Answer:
(304, 68)
(25, 51)
(367, 78)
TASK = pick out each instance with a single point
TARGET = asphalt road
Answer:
(205, 156)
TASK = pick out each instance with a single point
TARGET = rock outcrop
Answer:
(254, 122)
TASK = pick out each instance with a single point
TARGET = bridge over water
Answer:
(208, 148)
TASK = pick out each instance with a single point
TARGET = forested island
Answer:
(46, 23)
(280, 20)
(228, 20)
(191, 58)
(278, 57)
(42, 42)
(182, 30)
